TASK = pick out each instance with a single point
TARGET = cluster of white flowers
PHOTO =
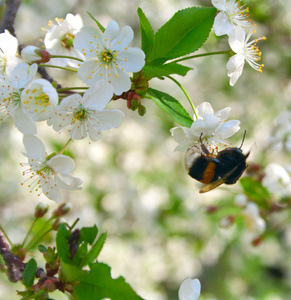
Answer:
(250, 212)
(277, 180)
(232, 20)
(281, 136)
(102, 61)
(210, 128)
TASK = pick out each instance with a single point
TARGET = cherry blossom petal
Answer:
(121, 83)
(222, 25)
(98, 96)
(83, 41)
(219, 4)
(123, 39)
(228, 129)
(34, 147)
(23, 121)
(9, 44)
(74, 22)
(23, 74)
(204, 108)
(94, 134)
(109, 118)
(49, 191)
(236, 40)
(223, 114)
(111, 31)
(61, 163)
(89, 72)
(189, 289)
(131, 59)
(68, 182)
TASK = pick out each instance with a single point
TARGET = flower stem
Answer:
(33, 295)
(57, 67)
(5, 235)
(28, 233)
(185, 93)
(40, 234)
(65, 147)
(74, 224)
(200, 55)
(73, 88)
(64, 56)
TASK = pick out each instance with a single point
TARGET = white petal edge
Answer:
(34, 147)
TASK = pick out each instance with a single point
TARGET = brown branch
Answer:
(15, 267)
(44, 74)
(7, 22)
(9, 15)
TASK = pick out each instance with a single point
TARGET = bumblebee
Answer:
(227, 166)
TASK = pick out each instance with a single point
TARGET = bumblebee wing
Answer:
(212, 185)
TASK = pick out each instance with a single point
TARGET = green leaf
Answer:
(42, 248)
(184, 33)
(165, 70)
(88, 234)
(171, 106)
(95, 250)
(147, 33)
(62, 244)
(97, 284)
(70, 273)
(255, 191)
(98, 24)
(29, 273)
(80, 254)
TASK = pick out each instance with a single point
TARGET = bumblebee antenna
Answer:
(243, 139)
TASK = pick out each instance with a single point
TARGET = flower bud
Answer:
(141, 110)
(33, 54)
(40, 210)
(52, 269)
(62, 210)
(227, 221)
(134, 103)
(257, 241)
(212, 209)
(56, 224)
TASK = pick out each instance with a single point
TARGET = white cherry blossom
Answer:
(48, 174)
(8, 52)
(245, 51)
(231, 14)
(277, 180)
(281, 136)
(86, 116)
(59, 40)
(255, 223)
(210, 128)
(189, 289)
(108, 56)
(10, 97)
(39, 99)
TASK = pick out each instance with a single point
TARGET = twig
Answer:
(44, 74)
(9, 15)
(15, 267)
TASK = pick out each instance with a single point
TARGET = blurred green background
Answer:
(136, 187)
